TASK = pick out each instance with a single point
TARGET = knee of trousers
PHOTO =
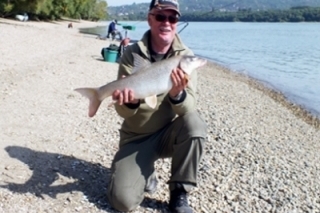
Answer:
(124, 200)
(191, 125)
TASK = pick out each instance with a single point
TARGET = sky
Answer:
(122, 2)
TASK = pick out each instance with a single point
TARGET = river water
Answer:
(285, 56)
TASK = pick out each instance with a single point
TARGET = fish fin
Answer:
(139, 63)
(188, 81)
(93, 96)
(186, 78)
(151, 101)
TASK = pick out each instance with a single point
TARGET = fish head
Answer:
(190, 63)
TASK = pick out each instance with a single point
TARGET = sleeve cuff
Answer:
(180, 99)
(133, 106)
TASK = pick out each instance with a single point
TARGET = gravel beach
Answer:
(261, 155)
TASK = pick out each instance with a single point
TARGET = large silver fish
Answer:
(147, 80)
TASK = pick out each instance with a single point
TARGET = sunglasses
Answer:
(164, 18)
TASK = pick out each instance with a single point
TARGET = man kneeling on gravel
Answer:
(173, 129)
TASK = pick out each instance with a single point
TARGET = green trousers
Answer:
(133, 165)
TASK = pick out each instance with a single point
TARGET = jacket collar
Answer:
(176, 46)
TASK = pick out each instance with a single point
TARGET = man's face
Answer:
(163, 31)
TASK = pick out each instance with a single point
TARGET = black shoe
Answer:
(152, 183)
(178, 201)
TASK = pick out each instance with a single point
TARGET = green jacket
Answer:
(142, 121)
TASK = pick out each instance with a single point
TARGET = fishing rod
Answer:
(185, 25)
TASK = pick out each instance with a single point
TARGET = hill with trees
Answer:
(295, 14)
(228, 10)
(188, 6)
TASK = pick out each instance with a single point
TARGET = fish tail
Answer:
(93, 96)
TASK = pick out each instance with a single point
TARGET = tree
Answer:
(55, 9)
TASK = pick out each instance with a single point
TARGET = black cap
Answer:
(165, 5)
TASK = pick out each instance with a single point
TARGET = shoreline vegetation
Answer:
(260, 155)
(45, 10)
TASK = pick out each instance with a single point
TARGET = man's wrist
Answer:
(179, 98)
